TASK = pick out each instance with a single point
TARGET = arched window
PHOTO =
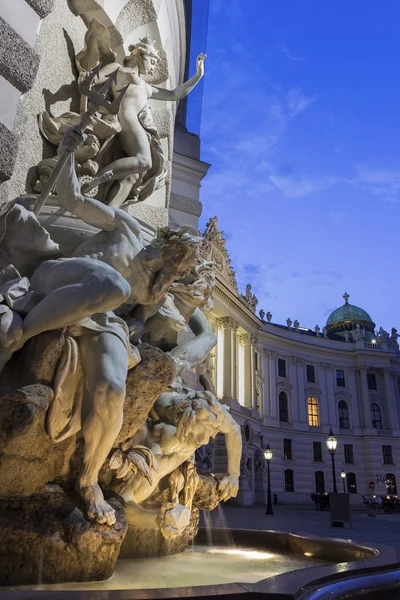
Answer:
(283, 408)
(319, 482)
(344, 422)
(289, 480)
(376, 416)
(313, 414)
(351, 483)
(391, 485)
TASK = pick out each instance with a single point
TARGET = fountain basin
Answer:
(269, 564)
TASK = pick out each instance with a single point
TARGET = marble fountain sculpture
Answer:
(98, 427)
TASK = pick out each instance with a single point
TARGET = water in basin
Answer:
(200, 565)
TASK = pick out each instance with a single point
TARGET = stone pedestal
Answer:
(46, 538)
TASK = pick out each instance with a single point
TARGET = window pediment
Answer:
(283, 387)
(342, 396)
(313, 391)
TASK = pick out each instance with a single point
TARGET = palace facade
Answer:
(288, 386)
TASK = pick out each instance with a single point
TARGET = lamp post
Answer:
(268, 456)
(331, 443)
(343, 476)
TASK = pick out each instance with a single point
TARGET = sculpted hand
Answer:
(228, 487)
(72, 140)
(200, 64)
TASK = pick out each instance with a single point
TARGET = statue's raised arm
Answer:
(185, 88)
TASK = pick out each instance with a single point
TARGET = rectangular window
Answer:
(310, 373)
(348, 454)
(287, 449)
(281, 367)
(387, 455)
(371, 380)
(317, 450)
(340, 382)
(289, 480)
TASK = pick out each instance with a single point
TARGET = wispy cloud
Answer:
(297, 187)
(297, 101)
(384, 183)
(290, 55)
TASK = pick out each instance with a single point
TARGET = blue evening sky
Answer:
(301, 123)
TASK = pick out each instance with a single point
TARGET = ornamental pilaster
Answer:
(390, 395)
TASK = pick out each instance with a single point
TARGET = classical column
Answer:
(294, 400)
(355, 406)
(390, 395)
(330, 395)
(226, 323)
(272, 385)
(234, 373)
(245, 341)
(324, 399)
(253, 394)
(362, 374)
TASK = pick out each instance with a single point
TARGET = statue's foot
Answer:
(90, 185)
(97, 508)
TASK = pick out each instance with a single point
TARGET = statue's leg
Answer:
(105, 363)
(75, 288)
(138, 160)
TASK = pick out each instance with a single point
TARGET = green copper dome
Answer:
(346, 319)
(348, 312)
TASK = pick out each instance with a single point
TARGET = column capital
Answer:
(225, 322)
(300, 361)
(244, 339)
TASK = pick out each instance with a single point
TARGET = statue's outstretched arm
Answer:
(185, 88)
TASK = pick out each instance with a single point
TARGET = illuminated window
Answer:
(220, 364)
(344, 422)
(376, 416)
(283, 408)
(313, 414)
(391, 485)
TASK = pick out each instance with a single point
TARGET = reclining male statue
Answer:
(183, 421)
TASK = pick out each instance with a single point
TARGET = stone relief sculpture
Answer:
(122, 153)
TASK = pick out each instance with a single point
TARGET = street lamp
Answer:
(343, 476)
(268, 456)
(331, 443)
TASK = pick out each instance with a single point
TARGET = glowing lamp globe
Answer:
(267, 453)
(331, 442)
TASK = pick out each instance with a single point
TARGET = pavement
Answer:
(384, 529)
